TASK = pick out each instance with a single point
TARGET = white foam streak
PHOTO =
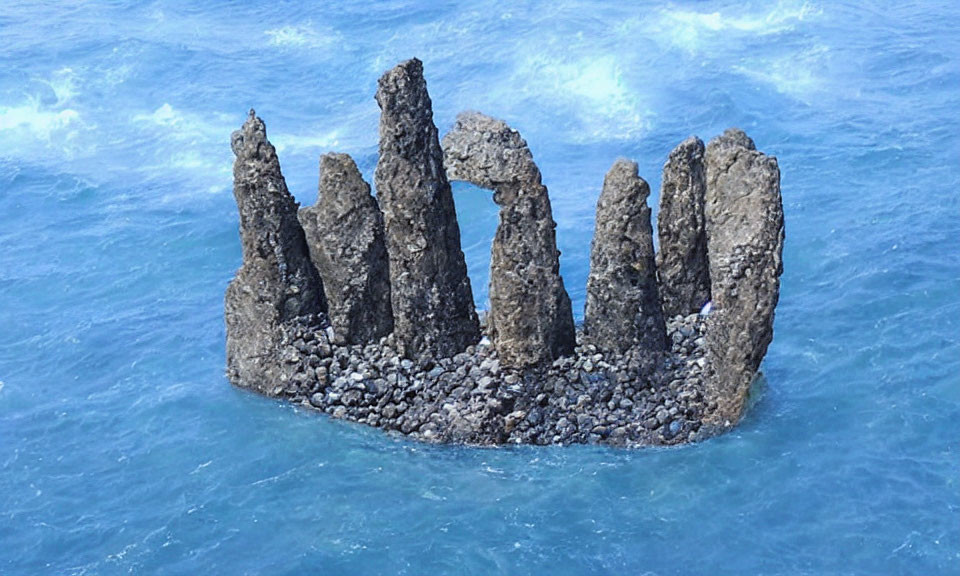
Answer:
(296, 144)
(303, 36)
(796, 75)
(689, 29)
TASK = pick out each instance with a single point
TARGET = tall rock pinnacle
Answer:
(277, 283)
(530, 321)
(344, 232)
(682, 261)
(623, 303)
(433, 307)
(744, 223)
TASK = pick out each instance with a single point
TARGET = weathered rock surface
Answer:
(744, 224)
(277, 284)
(344, 231)
(623, 302)
(682, 264)
(433, 309)
(530, 320)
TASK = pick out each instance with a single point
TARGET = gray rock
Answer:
(623, 302)
(744, 219)
(277, 284)
(433, 307)
(530, 320)
(344, 231)
(682, 261)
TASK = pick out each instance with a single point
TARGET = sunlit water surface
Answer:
(123, 449)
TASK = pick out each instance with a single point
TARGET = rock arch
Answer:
(530, 318)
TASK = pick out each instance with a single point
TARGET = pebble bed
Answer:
(632, 399)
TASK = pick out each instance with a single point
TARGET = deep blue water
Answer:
(124, 450)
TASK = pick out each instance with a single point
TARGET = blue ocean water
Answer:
(123, 449)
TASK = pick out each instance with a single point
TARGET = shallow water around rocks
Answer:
(124, 450)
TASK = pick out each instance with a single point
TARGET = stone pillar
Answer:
(277, 282)
(744, 223)
(344, 232)
(433, 310)
(682, 261)
(530, 320)
(623, 302)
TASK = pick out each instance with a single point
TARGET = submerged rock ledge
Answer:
(368, 315)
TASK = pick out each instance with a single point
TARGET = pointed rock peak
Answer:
(250, 142)
(405, 71)
(433, 307)
(733, 137)
(744, 224)
(345, 236)
(623, 302)
(623, 181)
(688, 151)
(682, 261)
(341, 180)
(277, 286)
(403, 89)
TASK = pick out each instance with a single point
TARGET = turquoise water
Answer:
(124, 450)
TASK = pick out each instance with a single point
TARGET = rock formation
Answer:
(276, 284)
(682, 260)
(630, 377)
(344, 231)
(744, 224)
(433, 309)
(530, 320)
(623, 301)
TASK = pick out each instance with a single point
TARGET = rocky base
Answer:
(630, 399)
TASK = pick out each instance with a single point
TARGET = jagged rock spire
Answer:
(344, 231)
(433, 309)
(744, 224)
(623, 302)
(530, 320)
(276, 283)
(682, 261)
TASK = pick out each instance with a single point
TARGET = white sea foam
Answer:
(187, 141)
(302, 36)
(799, 75)
(593, 91)
(35, 118)
(36, 122)
(296, 143)
(689, 29)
